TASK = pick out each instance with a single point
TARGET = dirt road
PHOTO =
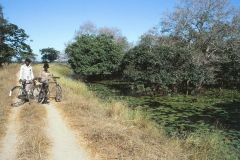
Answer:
(64, 143)
(9, 144)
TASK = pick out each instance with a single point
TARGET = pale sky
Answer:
(52, 23)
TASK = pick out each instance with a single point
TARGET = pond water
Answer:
(213, 108)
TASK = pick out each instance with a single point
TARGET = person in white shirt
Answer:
(26, 73)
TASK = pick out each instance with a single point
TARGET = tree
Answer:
(62, 57)
(210, 30)
(12, 41)
(49, 54)
(206, 25)
(89, 28)
(159, 39)
(117, 37)
(92, 55)
(156, 66)
(86, 28)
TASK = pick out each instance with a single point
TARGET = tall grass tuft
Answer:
(206, 144)
(7, 80)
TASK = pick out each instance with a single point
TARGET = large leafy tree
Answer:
(155, 65)
(94, 55)
(118, 38)
(49, 54)
(12, 41)
(147, 63)
(210, 29)
(89, 28)
(206, 25)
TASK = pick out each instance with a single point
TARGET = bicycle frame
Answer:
(22, 86)
(21, 94)
(44, 91)
(58, 90)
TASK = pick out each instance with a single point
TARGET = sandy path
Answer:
(10, 141)
(64, 142)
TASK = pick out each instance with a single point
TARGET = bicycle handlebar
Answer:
(25, 81)
(56, 77)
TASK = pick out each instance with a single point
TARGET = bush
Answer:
(93, 55)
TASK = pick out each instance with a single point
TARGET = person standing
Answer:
(43, 77)
(26, 73)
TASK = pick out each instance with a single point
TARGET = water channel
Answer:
(211, 109)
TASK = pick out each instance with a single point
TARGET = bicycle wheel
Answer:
(17, 96)
(34, 93)
(41, 96)
(59, 95)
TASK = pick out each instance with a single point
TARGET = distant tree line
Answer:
(196, 45)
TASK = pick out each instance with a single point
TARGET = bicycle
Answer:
(42, 93)
(58, 89)
(18, 94)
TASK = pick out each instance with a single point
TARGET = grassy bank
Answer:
(113, 131)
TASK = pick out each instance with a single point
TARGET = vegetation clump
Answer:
(98, 56)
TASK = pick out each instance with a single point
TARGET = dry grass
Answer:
(33, 141)
(6, 83)
(112, 130)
